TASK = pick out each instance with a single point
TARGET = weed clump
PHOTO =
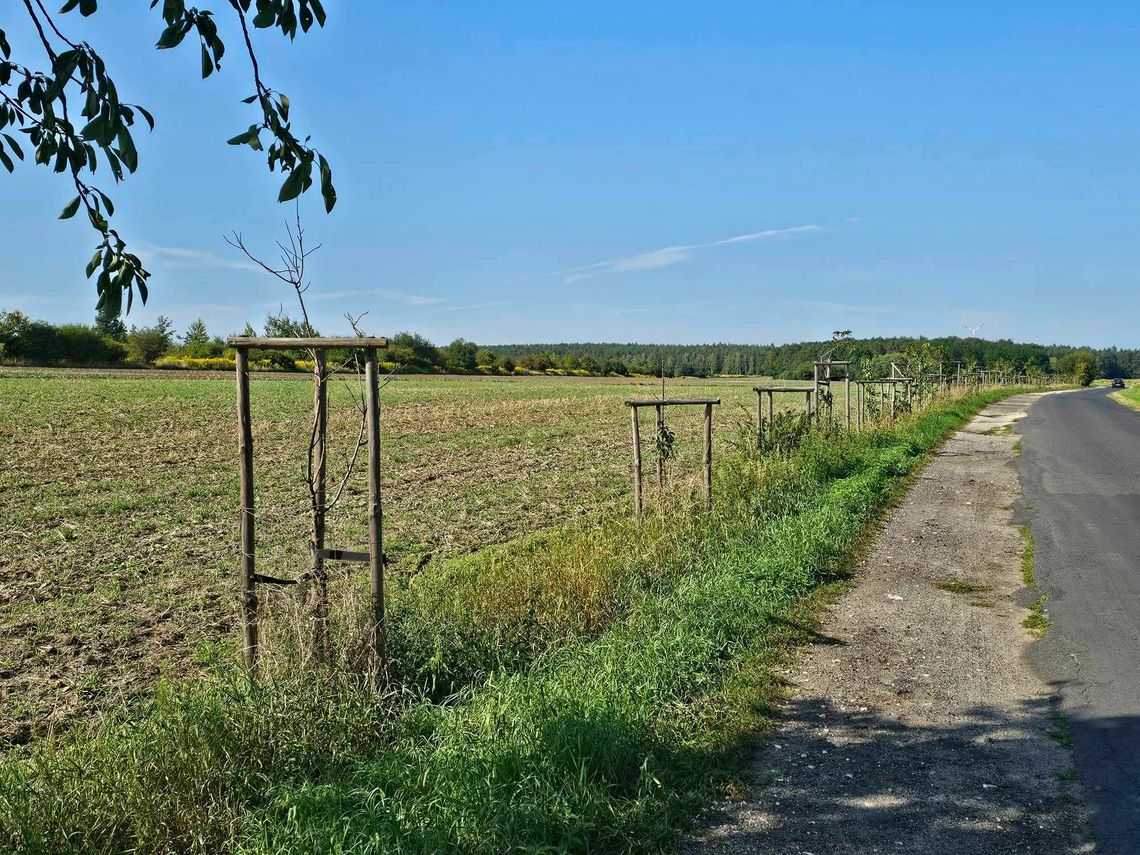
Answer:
(1028, 576)
(1038, 621)
(958, 587)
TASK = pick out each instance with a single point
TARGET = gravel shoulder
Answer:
(915, 722)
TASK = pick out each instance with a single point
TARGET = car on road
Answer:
(1118, 383)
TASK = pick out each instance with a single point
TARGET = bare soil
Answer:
(915, 722)
(118, 504)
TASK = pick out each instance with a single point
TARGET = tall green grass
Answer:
(583, 691)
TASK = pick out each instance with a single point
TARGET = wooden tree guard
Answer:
(249, 578)
(885, 390)
(659, 405)
(821, 375)
(771, 391)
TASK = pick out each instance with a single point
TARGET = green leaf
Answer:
(94, 129)
(68, 6)
(19, 152)
(70, 209)
(7, 161)
(106, 203)
(328, 192)
(126, 151)
(65, 64)
(295, 182)
(88, 7)
(207, 63)
(146, 115)
(91, 104)
(172, 36)
(97, 220)
(172, 10)
(93, 264)
(245, 137)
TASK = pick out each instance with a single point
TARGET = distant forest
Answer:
(108, 342)
(793, 361)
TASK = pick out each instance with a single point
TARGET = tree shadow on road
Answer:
(839, 779)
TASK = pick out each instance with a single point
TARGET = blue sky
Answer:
(636, 171)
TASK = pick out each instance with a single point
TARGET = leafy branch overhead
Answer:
(42, 104)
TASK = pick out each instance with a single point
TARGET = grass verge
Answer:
(555, 733)
(1129, 397)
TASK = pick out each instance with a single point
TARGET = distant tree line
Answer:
(109, 342)
(872, 356)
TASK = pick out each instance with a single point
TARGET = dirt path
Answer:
(915, 724)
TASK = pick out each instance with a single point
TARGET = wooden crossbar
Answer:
(673, 402)
(342, 555)
(241, 341)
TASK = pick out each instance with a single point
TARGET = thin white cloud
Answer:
(185, 256)
(825, 306)
(667, 256)
(472, 306)
(418, 300)
(413, 299)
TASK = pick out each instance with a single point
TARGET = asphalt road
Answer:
(1080, 472)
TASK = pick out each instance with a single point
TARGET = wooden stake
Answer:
(759, 421)
(660, 460)
(830, 397)
(375, 512)
(708, 455)
(245, 506)
(636, 463)
(320, 603)
(847, 395)
(815, 382)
